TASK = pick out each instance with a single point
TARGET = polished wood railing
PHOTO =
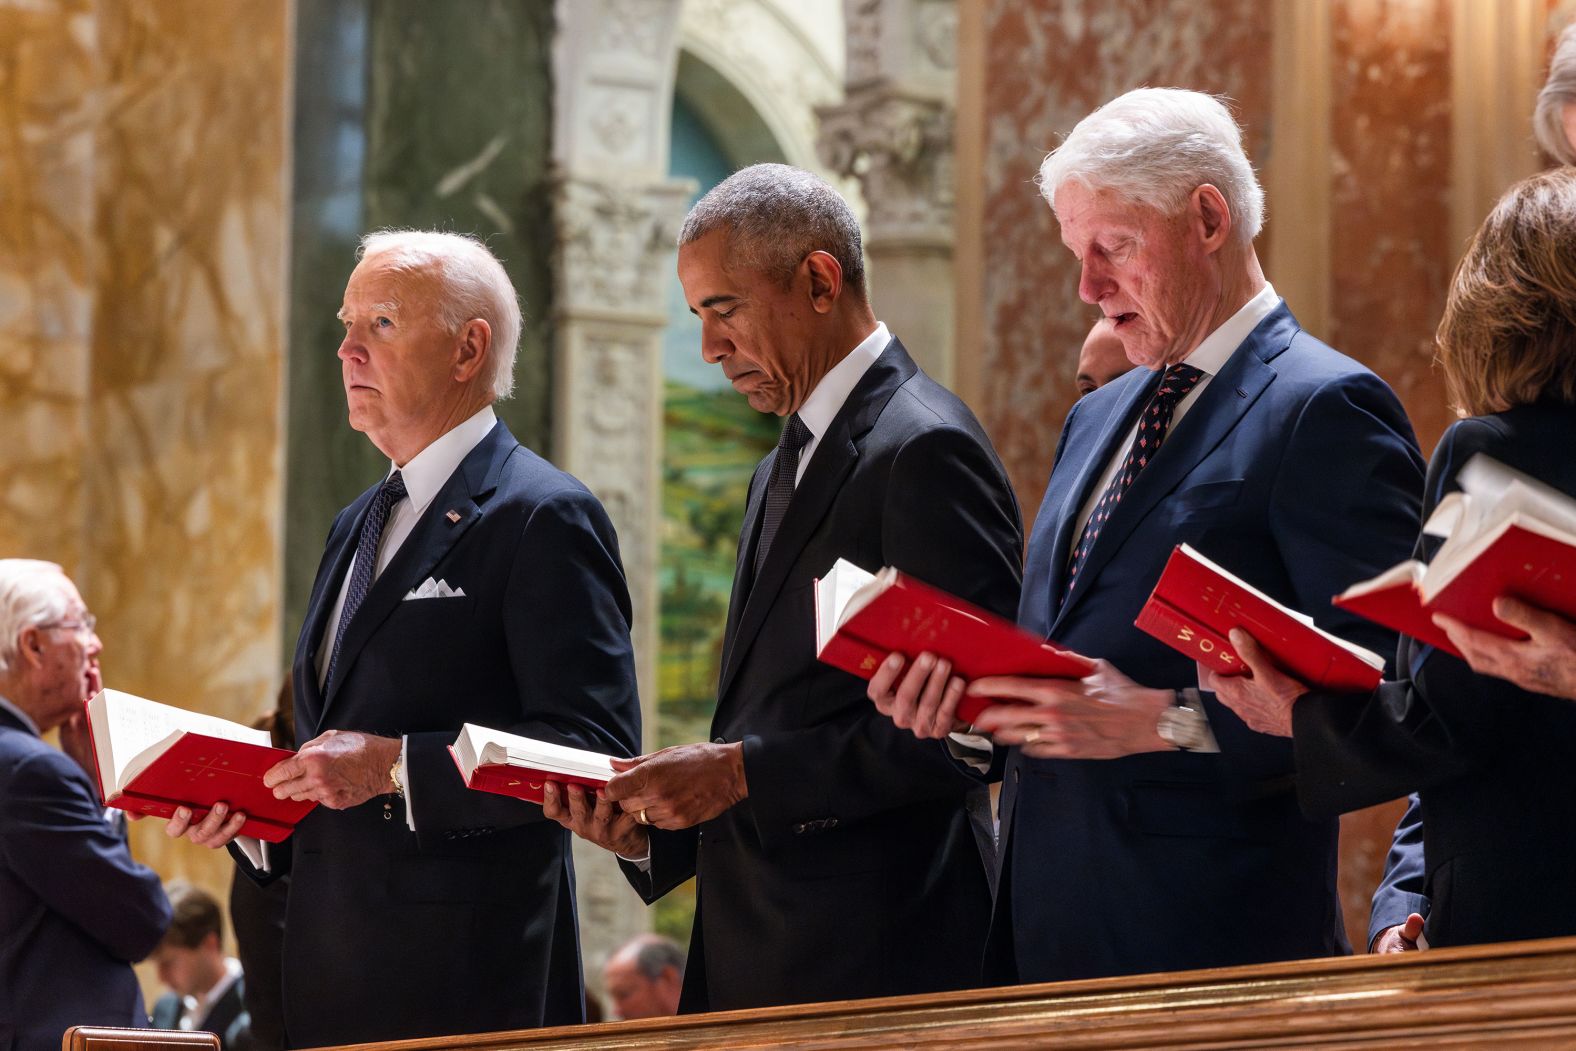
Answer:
(1519, 995)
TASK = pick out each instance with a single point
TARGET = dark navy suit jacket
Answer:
(467, 924)
(1297, 470)
(75, 910)
(854, 868)
(1490, 761)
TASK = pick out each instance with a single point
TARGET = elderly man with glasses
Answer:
(75, 910)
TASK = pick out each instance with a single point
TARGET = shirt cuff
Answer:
(643, 864)
(1191, 698)
(974, 750)
(404, 782)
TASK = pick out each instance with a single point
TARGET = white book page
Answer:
(833, 592)
(130, 732)
(484, 746)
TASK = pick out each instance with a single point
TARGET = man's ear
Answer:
(471, 351)
(30, 645)
(826, 280)
(211, 941)
(1212, 215)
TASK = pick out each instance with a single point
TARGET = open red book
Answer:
(153, 757)
(1196, 603)
(1505, 534)
(511, 765)
(861, 617)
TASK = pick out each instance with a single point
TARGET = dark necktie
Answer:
(779, 487)
(1152, 425)
(389, 493)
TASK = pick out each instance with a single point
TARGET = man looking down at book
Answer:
(836, 857)
(1489, 759)
(475, 583)
(1144, 826)
(75, 911)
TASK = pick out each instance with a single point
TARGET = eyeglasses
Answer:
(83, 625)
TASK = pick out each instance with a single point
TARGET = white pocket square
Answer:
(434, 589)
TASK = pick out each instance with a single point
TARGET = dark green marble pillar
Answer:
(407, 113)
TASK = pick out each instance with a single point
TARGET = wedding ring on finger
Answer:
(1031, 737)
(642, 818)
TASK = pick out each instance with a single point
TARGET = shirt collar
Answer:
(1210, 356)
(27, 721)
(426, 472)
(202, 1006)
(826, 400)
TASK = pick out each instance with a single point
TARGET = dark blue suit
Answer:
(468, 924)
(75, 910)
(1297, 470)
(1490, 761)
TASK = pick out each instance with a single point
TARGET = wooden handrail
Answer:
(1519, 994)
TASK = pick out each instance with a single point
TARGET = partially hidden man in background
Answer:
(1144, 826)
(836, 856)
(75, 911)
(475, 583)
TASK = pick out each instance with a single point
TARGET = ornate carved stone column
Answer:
(617, 216)
(894, 134)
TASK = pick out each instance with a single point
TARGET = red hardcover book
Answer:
(152, 758)
(863, 617)
(1196, 603)
(511, 765)
(1521, 557)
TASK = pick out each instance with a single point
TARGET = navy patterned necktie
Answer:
(780, 486)
(389, 493)
(1174, 386)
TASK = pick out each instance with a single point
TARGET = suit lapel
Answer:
(742, 575)
(336, 563)
(1223, 404)
(434, 535)
(835, 456)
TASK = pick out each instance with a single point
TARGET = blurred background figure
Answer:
(1554, 119)
(205, 985)
(75, 911)
(643, 977)
(1102, 358)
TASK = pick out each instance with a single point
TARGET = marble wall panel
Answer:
(1050, 63)
(48, 69)
(1390, 243)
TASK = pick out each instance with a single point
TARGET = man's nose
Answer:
(1093, 283)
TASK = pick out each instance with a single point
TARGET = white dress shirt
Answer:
(423, 476)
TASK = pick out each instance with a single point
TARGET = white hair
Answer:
(32, 592)
(473, 284)
(1154, 147)
(1559, 91)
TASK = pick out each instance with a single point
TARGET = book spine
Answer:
(1188, 637)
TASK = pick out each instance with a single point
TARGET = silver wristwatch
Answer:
(1185, 728)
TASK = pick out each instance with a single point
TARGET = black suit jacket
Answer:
(1491, 762)
(852, 869)
(75, 910)
(467, 924)
(1297, 470)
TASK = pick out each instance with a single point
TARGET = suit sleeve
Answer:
(1400, 890)
(1436, 723)
(673, 858)
(950, 519)
(57, 842)
(567, 619)
(1344, 508)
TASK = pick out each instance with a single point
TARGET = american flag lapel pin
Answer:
(452, 516)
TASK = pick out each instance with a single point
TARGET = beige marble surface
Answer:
(143, 216)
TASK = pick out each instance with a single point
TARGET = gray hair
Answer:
(655, 954)
(31, 593)
(473, 285)
(775, 215)
(1559, 91)
(1154, 147)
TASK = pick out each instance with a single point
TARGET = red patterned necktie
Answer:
(1174, 386)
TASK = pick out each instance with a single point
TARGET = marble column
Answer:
(893, 133)
(617, 216)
